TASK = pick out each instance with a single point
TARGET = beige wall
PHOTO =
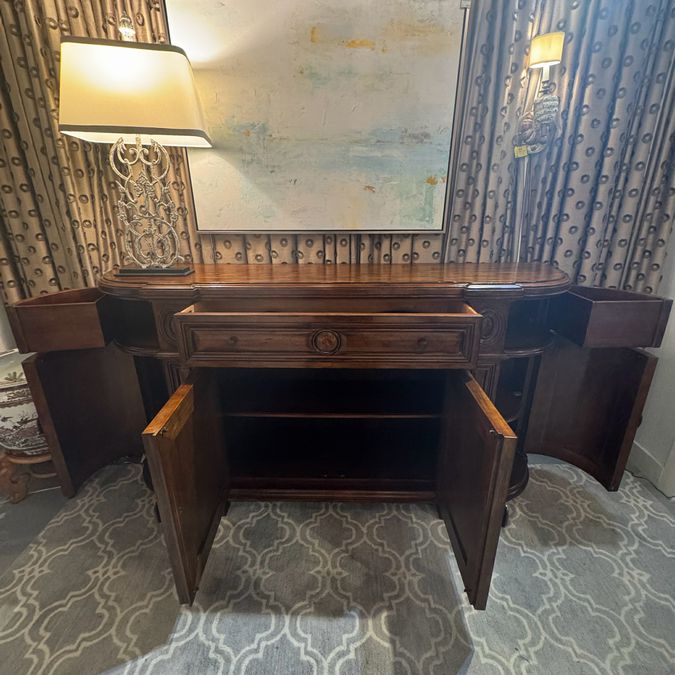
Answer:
(653, 454)
(6, 337)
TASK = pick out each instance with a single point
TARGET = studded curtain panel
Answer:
(56, 193)
(597, 203)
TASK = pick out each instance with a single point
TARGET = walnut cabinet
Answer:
(363, 382)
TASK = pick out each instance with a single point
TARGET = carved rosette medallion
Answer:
(326, 341)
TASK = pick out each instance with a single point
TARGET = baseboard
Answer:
(642, 463)
(667, 479)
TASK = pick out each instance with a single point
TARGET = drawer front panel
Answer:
(329, 340)
(606, 317)
(73, 319)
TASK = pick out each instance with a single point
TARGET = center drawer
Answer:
(337, 340)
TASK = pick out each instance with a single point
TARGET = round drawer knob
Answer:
(422, 344)
(326, 341)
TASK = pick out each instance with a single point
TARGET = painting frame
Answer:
(217, 228)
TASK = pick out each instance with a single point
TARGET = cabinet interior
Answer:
(333, 430)
(526, 331)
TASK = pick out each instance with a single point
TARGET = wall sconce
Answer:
(546, 51)
(137, 97)
(537, 126)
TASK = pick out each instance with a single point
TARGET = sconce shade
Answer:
(546, 49)
(111, 90)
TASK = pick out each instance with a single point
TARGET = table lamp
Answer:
(140, 98)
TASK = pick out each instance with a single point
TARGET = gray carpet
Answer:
(21, 523)
(583, 584)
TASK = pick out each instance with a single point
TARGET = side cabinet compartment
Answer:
(588, 405)
(186, 452)
(85, 389)
(475, 462)
(89, 406)
(592, 384)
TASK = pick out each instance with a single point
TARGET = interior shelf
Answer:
(325, 394)
(340, 490)
(334, 416)
(336, 450)
(528, 344)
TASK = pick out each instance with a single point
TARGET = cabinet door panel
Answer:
(587, 407)
(474, 469)
(90, 409)
(188, 463)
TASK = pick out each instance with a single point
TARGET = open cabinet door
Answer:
(86, 422)
(588, 405)
(188, 463)
(592, 384)
(474, 470)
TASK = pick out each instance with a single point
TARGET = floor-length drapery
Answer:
(599, 202)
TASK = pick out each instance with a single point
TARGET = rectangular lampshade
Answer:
(546, 49)
(111, 89)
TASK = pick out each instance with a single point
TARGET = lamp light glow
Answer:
(546, 49)
(111, 89)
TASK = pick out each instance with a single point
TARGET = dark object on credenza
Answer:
(362, 382)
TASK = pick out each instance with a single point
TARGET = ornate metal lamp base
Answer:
(174, 271)
(146, 209)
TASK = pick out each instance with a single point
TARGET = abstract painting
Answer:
(326, 115)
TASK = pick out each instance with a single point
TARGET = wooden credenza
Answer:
(393, 382)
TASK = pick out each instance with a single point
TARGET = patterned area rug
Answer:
(583, 584)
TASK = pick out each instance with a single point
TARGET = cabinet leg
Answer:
(520, 474)
(505, 516)
(12, 483)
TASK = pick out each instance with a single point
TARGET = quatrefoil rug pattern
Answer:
(583, 584)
